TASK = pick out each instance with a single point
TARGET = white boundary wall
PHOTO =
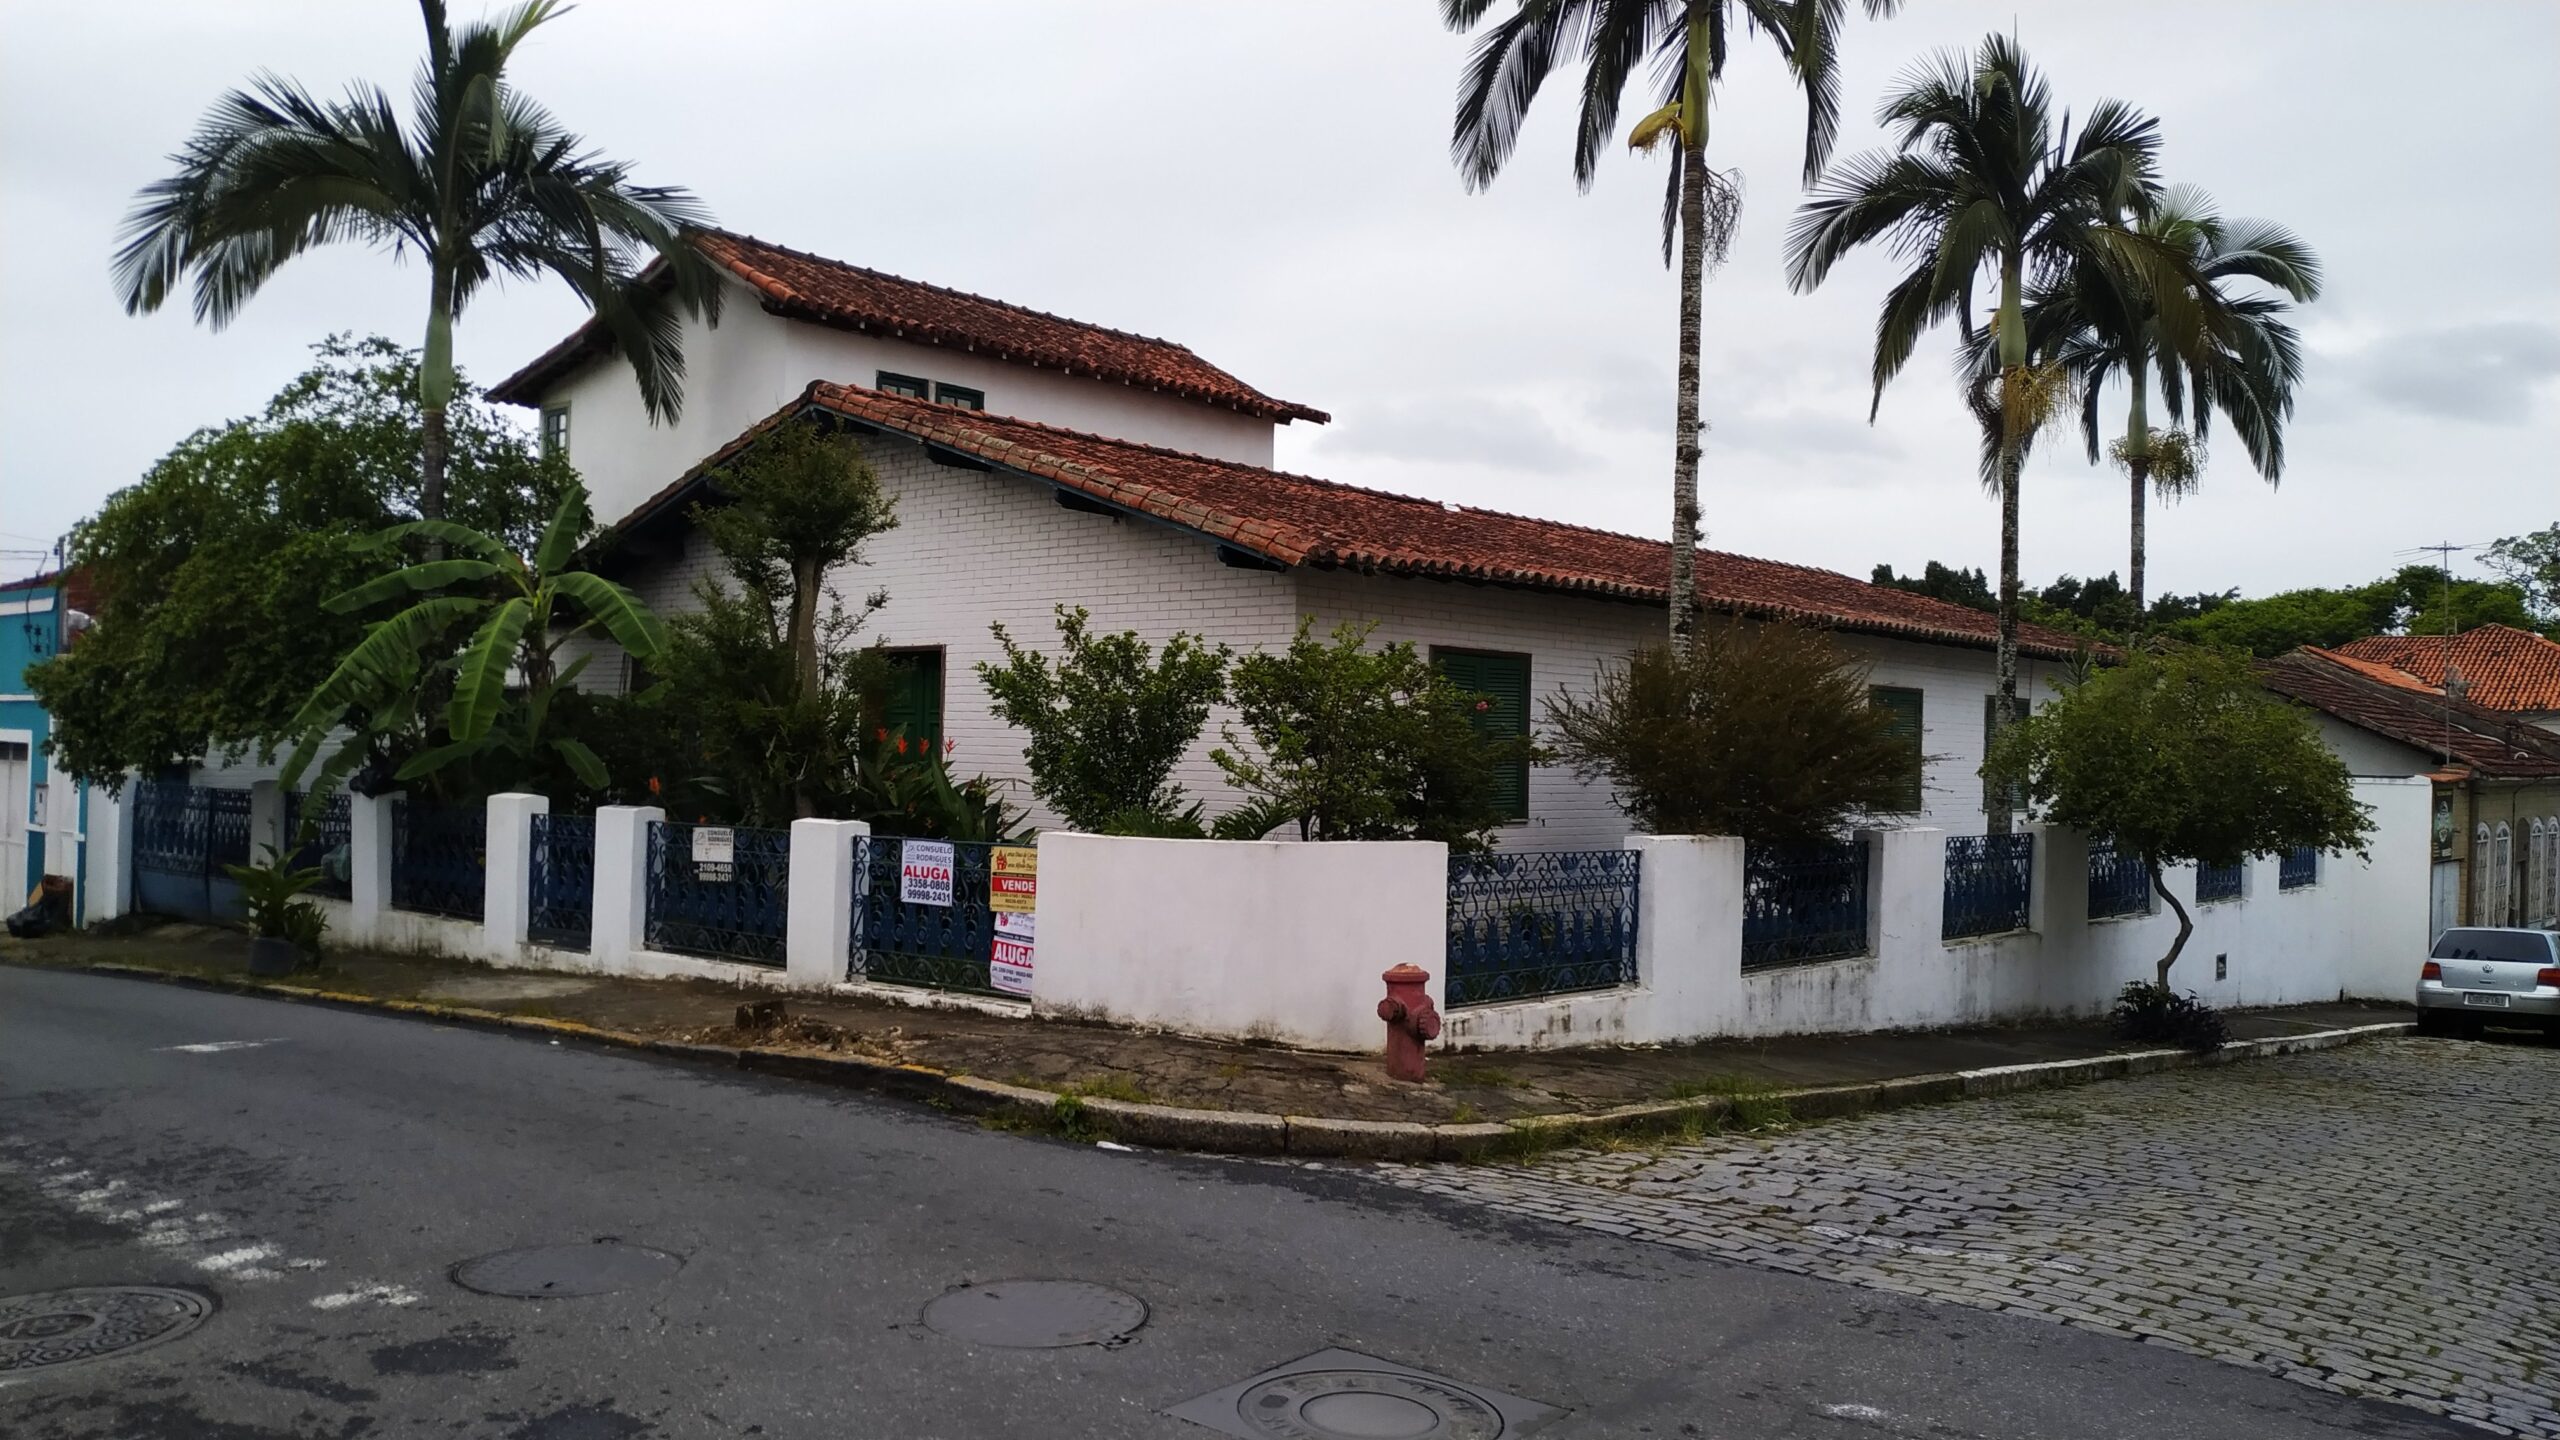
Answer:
(1263, 940)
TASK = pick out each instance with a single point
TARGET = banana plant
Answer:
(523, 611)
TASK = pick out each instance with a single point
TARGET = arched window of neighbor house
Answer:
(2483, 889)
(2502, 875)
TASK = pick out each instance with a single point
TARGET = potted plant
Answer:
(284, 932)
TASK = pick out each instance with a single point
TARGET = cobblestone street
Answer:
(2378, 1220)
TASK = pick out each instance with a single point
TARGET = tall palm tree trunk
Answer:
(1684, 462)
(2013, 365)
(435, 392)
(2137, 450)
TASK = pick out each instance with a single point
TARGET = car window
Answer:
(2517, 947)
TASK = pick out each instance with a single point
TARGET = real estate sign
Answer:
(1009, 963)
(925, 868)
(715, 853)
(1013, 879)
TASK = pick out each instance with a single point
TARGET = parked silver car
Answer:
(2477, 975)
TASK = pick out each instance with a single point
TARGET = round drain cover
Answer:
(1365, 1405)
(1036, 1314)
(65, 1327)
(548, 1271)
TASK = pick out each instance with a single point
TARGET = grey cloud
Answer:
(2486, 372)
(1501, 434)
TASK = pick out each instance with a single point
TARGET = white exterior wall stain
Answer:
(753, 363)
(2365, 753)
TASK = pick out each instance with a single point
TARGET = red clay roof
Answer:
(79, 588)
(2502, 668)
(801, 286)
(2491, 743)
(1297, 520)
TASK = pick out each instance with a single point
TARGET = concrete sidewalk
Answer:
(1022, 1066)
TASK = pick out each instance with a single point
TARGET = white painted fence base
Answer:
(1286, 942)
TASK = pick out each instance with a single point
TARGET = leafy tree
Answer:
(1942, 582)
(2248, 369)
(1765, 731)
(502, 682)
(1988, 181)
(2415, 600)
(1685, 42)
(1109, 720)
(2531, 563)
(1350, 743)
(2182, 756)
(212, 569)
(771, 702)
(483, 184)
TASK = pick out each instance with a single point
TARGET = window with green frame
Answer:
(1503, 681)
(911, 386)
(914, 708)
(555, 430)
(1903, 706)
(959, 395)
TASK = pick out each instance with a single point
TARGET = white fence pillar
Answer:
(818, 925)
(106, 891)
(621, 922)
(369, 822)
(2058, 892)
(266, 821)
(1688, 936)
(506, 877)
(1906, 890)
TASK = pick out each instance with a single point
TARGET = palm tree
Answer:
(1685, 41)
(483, 184)
(2248, 369)
(1987, 181)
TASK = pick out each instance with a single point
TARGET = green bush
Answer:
(1108, 720)
(2154, 1014)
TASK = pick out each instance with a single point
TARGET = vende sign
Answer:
(925, 872)
(1013, 879)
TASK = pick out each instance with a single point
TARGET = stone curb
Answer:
(1241, 1132)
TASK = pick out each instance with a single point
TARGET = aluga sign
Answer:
(925, 869)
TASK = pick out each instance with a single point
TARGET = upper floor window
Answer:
(960, 395)
(1902, 706)
(555, 431)
(1501, 683)
(910, 386)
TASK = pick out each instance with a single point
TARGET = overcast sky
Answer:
(1270, 185)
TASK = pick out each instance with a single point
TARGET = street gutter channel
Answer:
(1232, 1132)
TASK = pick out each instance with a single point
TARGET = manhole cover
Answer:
(1341, 1395)
(1036, 1314)
(551, 1271)
(65, 1327)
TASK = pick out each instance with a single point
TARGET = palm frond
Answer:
(432, 575)
(619, 611)
(480, 673)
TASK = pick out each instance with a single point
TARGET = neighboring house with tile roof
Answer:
(42, 814)
(1009, 504)
(2500, 667)
(2496, 849)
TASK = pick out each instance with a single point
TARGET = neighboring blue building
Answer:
(42, 823)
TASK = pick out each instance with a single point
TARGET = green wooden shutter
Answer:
(1902, 706)
(915, 696)
(1503, 681)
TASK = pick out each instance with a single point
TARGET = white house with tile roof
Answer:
(1038, 461)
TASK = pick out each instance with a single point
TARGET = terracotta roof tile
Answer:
(809, 287)
(2502, 668)
(2491, 743)
(1299, 520)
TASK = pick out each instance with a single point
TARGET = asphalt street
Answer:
(320, 1174)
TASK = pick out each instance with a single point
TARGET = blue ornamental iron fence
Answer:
(1803, 902)
(727, 909)
(562, 878)
(2118, 884)
(1987, 883)
(2298, 868)
(903, 942)
(183, 836)
(2217, 883)
(1545, 923)
(330, 847)
(439, 858)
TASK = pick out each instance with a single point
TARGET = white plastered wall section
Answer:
(752, 363)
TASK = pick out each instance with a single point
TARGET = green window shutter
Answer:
(1902, 707)
(915, 696)
(1990, 718)
(1503, 681)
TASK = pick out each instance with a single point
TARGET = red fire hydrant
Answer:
(1411, 1019)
